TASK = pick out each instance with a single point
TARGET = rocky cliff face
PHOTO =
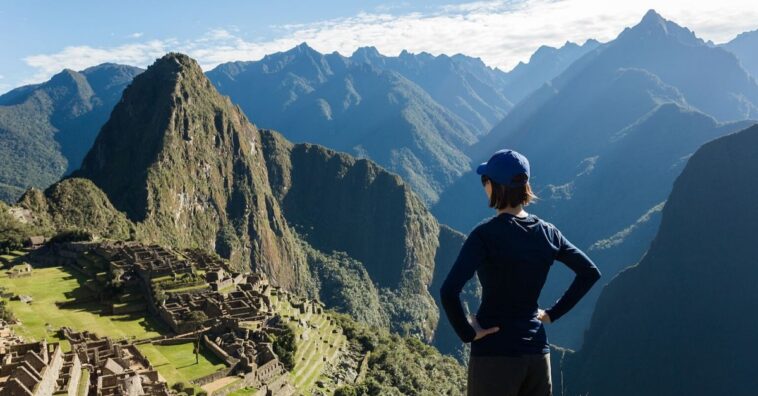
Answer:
(340, 203)
(680, 322)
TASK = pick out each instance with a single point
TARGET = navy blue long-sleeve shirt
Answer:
(512, 257)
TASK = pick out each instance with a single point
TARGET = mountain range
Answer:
(46, 129)
(745, 47)
(413, 113)
(351, 105)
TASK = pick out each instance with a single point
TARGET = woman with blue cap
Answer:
(511, 253)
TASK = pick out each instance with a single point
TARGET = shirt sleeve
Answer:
(586, 276)
(472, 255)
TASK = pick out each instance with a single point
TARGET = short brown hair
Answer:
(504, 196)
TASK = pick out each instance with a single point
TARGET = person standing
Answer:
(511, 253)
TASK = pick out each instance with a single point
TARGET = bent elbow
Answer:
(594, 275)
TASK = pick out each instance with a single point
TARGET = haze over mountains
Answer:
(675, 323)
(744, 47)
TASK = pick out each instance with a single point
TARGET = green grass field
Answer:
(42, 318)
(246, 391)
(176, 363)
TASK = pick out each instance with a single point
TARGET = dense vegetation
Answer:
(5, 313)
(285, 345)
(344, 285)
(400, 365)
(13, 233)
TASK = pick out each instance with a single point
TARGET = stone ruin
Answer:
(37, 368)
(116, 367)
(249, 302)
(250, 356)
(151, 261)
(237, 312)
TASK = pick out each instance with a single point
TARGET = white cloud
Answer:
(502, 33)
(136, 35)
(80, 57)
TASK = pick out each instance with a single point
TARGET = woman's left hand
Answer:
(543, 316)
(480, 332)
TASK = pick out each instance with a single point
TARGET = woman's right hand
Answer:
(543, 316)
(480, 332)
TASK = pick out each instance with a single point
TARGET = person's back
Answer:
(511, 253)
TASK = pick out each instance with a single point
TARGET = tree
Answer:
(197, 318)
(13, 233)
(285, 346)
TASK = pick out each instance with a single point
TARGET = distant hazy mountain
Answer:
(544, 65)
(675, 324)
(46, 129)
(745, 47)
(627, 185)
(414, 113)
(606, 139)
(463, 85)
(353, 107)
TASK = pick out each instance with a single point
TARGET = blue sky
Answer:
(43, 37)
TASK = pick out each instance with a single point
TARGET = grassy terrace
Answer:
(42, 318)
(309, 363)
(243, 392)
(176, 363)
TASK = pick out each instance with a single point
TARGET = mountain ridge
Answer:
(634, 344)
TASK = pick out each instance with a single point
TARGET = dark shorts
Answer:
(527, 375)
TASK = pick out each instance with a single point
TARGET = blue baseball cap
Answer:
(503, 166)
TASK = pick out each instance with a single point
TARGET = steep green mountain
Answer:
(672, 323)
(545, 64)
(353, 107)
(463, 85)
(76, 204)
(606, 139)
(178, 164)
(339, 203)
(745, 47)
(46, 129)
(183, 162)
